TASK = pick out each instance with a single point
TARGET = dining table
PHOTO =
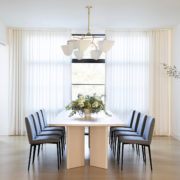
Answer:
(98, 134)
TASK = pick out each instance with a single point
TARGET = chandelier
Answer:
(80, 45)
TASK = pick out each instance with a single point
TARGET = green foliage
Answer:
(93, 103)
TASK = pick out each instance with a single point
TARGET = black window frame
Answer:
(88, 60)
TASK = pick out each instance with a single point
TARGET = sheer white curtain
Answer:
(134, 75)
(160, 84)
(40, 75)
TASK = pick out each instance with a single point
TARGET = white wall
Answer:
(176, 85)
(3, 90)
(3, 33)
(3, 81)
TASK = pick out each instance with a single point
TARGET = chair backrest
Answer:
(129, 124)
(44, 116)
(41, 122)
(148, 130)
(36, 123)
(31, 132)
(135, 120)
(141, 124)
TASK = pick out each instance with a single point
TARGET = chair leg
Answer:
(112, 141)
(142, 152)
(60, 150)
(117, 155)
(138, 150)
(133, 146)
(122, 156)
(29, 156)
(38, 149)
(110, 138)
(115, 142)
(119, 151)
(144, 147)
(58, 155)
(34, 153)
(150, 156)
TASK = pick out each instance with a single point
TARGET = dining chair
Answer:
(139, 132)
(45, 124)
(144, 141)
(46, 133)
(45, 129)
(129, 125)
(40, 132)
(133, 129)
(35, 140)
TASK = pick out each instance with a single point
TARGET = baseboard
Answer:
(4, 132)
(176, 136)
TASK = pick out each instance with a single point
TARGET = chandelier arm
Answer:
(88, 7)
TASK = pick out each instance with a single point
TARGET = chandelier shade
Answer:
(78, 54)
(79, 46)
(95, 54)
(67, 49)
(105, 45)
(82, 45)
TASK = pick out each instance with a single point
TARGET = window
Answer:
(88, 75)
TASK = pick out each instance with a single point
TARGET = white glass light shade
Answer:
(79, 54)
(67, 49)
(95, 54)
(105, 45)
(82, 45)
(73, 43)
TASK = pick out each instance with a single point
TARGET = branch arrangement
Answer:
(172, 71)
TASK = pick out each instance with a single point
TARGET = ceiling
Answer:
(105, 13)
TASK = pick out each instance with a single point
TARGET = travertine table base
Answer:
(98, 138)
(75, 146)
(99, 146)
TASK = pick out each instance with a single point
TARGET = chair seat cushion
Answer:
(125, 133)
(133, 140)
(115, 128)
(46, 133)
(123, 129)
(51, 128)
(46, 139)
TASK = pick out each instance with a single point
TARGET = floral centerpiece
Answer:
(87, 105)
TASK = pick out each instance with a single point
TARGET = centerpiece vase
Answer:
(87, 114)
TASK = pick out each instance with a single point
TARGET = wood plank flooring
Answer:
(14, 152)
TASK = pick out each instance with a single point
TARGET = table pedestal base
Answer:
(99, 147)
(75, 146)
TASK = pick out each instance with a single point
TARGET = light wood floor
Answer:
(14, 152)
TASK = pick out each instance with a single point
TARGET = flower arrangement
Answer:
(93, 104)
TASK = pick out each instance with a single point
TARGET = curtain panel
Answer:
(135, 78)
(40, 75)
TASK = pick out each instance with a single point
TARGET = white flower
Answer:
(81, 104)
(95, 104)
(81, 99)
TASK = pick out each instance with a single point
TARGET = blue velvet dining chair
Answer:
(144, 140)
(35, 140)
(133, 129)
